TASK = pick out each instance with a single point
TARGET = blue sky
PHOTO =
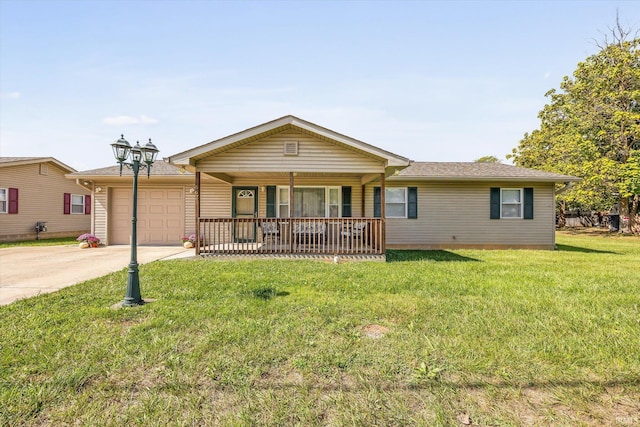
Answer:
(428, 80)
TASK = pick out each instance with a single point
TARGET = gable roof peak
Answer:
(274, 126)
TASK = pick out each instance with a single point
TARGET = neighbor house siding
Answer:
(314, 155)
(41, 198)
(456, 214)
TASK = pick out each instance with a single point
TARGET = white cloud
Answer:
(129, 120)
(11, 95)
(547, 75)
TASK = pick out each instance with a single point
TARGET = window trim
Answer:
(327, 205)
(71, 204)
(406, 202)
(6, 201)
(521, 203)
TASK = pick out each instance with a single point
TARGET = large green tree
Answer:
(591, 129)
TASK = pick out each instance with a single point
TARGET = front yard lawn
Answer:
(463, 337)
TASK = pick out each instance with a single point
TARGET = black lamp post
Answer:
(140, 157)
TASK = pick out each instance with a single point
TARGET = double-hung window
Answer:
(77, 204)
(396, 202)
(9, 200)
(511, 203)
(310, 202)
(4, 200)
(400, 202)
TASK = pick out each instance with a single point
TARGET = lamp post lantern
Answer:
(139, 157)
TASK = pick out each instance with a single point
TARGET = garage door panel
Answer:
(157, 224)
(173, 209)
(156, 209)
(172, 224)
(160, 216)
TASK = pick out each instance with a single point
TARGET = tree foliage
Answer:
(488, 159)
(591, 128)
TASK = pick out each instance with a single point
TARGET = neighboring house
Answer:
(290, 186)
(34, 189)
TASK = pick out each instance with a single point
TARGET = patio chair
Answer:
(270, 230)
(309, 232)
(354, 231)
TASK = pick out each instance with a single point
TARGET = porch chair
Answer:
(270, 230)
(354, 231)
(309, 232)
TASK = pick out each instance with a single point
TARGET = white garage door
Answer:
(160, 216)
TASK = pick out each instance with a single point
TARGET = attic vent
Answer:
(291, 148)
(44, 169)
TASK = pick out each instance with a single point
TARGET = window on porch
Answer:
(310, 202)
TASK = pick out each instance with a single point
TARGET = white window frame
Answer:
(387, 203)
(4, 198)
(284, 204)
(519, 204)
(76, 204)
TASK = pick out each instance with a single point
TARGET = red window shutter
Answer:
(13, 201)
(67, 203)
(87, 205)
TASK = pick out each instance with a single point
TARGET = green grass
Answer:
(42, 242)
(504, 337)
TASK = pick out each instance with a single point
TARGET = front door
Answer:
(245, 205)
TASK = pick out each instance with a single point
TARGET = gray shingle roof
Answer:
(466, 171)
(158, 168)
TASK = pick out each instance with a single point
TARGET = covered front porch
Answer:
(318, 236)
(289, 187)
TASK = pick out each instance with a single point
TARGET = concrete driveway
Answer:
(30, 271)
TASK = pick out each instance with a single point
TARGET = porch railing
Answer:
(328, 236)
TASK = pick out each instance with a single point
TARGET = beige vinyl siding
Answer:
(40, 198)
(314, 155)
(456, 214)
(189, 211)
(100, 216)
(215, 200)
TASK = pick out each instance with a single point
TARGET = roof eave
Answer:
(37, 160)
(485, 179)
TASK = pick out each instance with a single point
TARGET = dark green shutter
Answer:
(346, 202)
(376, 202)
(271, 201)
(412, 206)
(494, 203)
(528, 203)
